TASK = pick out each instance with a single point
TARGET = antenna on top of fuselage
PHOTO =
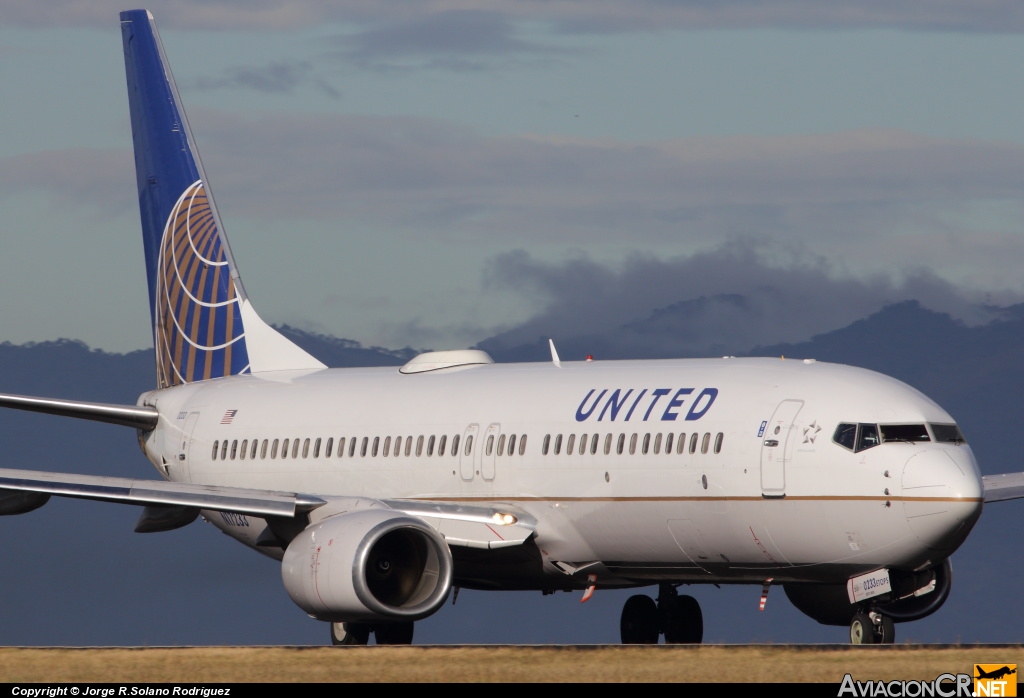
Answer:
(203, 324)
(554, 354)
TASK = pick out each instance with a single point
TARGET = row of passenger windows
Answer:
(420, 445)
(647, 444)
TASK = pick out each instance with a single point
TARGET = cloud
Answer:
(721, 302)
(452, 40)
(868, 201)
(604, 16)
(280, 77)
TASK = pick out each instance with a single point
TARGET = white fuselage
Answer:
(778, 499)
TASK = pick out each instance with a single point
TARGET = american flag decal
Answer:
(228, 416)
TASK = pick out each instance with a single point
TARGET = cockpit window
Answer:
(904, 432)
(867, 437)
(846, 435)
(947, 433)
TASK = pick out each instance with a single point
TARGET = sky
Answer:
(433, 174)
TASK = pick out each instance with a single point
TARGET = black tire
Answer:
(887, 631)
(350, 634)
(394, 633)
(684, 624)
(862, 630)
(639, 622)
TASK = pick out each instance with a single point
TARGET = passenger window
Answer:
(295, 447)
(216, 444)
(387, 447)
(419, 445)
(363, 446)
(330, 447)
(273, 449)
(867, 437)
(341, 447)
(681, 443)
(234, 448)
(252, 454)
(469, 445)
(583, 445)
(224, 450)
(263, 451)
(376, 446)
(647, 444)
(352, 447)
(490, 445)
(718, 442)
(522, 445)
(455, 445)
(408, 446)
(244, 449)
(668, 443)
(544, 446)
(284, 448)
(501, 444)
(621, 444)
(558, 444)
(845, 435)
(570, 444)
(305, 448)
(705, 442)
(512, 445)
(657, 444)
(607, 444)
(398, 446)
(632, 444)
(693, 443)
(430, 446)
(593, 445)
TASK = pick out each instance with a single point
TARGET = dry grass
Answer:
(498, 663)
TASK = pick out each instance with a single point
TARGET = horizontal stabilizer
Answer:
(1002, 487)
(157, 492)
(144, 418)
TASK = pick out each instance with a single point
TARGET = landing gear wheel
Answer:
(684, 622)
(886, 632)
(862, 630)
(639, 623)
(350, 633)
(394, 633)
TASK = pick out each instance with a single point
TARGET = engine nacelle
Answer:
(368, 565)
(829, 604)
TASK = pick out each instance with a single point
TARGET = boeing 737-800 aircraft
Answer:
(381, 489)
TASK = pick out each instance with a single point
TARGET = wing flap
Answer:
(158, 493)
(1005, 486)
(484, 526)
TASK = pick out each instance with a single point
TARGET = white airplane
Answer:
(381, 489)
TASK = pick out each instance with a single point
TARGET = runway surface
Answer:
(579, 663)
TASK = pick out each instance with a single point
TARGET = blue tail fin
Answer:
(203, 324)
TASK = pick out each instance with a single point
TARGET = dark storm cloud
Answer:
(721, 302)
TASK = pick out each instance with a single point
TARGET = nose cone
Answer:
(942, 497)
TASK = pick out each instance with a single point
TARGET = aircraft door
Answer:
(468, 449)
(777, 447)
(185, 452)
(489, 451)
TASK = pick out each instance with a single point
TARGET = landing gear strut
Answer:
(872, 628)
(677, 617)
(359, 633)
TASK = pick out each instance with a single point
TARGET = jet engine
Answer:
(915, 595)
(368, 565)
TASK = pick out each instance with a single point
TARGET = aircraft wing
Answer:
(1002, 487)
(482, 526)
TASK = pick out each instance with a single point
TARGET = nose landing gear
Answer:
(679, 618)
(872, 628)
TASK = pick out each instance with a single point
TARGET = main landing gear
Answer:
(359, 633)
(677, 617)
(872, 628)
